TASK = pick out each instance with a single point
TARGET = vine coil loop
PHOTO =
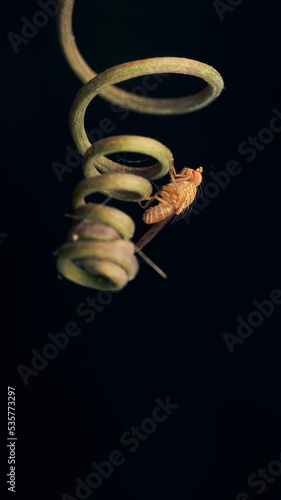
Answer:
(98, 252)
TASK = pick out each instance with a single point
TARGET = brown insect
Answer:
(173, 199)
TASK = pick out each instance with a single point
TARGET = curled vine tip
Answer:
(98, 252)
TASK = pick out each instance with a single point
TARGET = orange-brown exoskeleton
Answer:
(173, 199)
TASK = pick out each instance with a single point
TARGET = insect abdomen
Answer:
(158, 213)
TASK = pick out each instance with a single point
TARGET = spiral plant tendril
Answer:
(98, 252)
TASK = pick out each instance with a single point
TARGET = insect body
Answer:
(173, 199)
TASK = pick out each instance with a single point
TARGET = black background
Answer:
(156, 338)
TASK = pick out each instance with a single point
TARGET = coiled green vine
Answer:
(98, 252)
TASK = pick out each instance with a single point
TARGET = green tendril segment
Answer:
(98, 253)
(98, 264)
(94, 162)
(133, 69)
(126, 187)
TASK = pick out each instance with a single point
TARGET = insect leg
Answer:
(181, 177)
(153, 198)
(150, 200)
(173, 174)
(146, 204)
(180, 208)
